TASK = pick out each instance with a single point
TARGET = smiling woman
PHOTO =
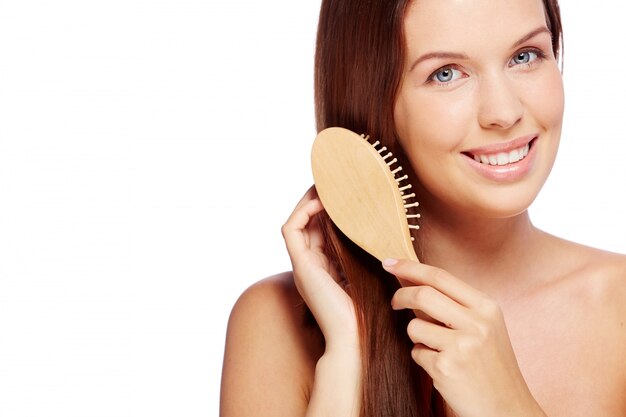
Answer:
(510, 320)
(466, 101)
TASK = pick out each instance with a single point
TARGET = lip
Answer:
(502, 147)
(509, 172)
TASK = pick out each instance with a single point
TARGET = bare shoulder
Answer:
(596, 282)
(588, 280)
(613, 267)
(604, 272)
(581, 266)
(601, 291)
(570, 335)
(610, 274)
(595, 275)
(271, 352)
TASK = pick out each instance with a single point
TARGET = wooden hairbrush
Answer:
(363, 193)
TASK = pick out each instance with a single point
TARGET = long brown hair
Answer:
(359, 61)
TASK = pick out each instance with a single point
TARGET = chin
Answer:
(503, 205)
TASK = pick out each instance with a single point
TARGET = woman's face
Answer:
(480, 108)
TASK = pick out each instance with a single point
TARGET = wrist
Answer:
(347, 358)
(337, 385)
(528, 407)
(345, 348)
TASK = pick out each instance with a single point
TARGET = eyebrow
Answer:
(456, 55)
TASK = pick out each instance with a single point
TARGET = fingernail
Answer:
(389, 262)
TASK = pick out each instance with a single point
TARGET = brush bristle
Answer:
(397, 174)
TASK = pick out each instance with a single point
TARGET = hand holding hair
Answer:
(315, 278)
(337, 385)
(463, 343)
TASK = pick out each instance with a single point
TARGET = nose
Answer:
(500, 105)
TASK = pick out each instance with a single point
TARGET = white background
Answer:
(149, 153)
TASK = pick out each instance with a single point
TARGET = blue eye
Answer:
(524, 57)
(445, 75)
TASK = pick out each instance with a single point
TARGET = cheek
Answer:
(438, 122)
(546, 100)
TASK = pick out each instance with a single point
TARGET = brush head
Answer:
(361, 192)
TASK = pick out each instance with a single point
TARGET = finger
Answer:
(422, 274)
(431, 301)
(432, 335)
(315, 237)
(317, 243)
(304, 245)
(293, 229)
(424, 357)
(310, 194)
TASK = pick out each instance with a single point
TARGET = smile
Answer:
(504, 162)
(503, 158)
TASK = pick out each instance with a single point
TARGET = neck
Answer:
(493, 255)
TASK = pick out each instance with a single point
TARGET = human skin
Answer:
(517, 322)
(493, 97)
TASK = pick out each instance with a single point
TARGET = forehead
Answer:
(463, 24)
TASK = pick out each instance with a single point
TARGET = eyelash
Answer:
(540, 57)
(538, 52)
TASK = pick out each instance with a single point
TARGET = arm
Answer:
(337, 389)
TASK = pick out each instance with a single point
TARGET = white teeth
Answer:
(504, 158)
